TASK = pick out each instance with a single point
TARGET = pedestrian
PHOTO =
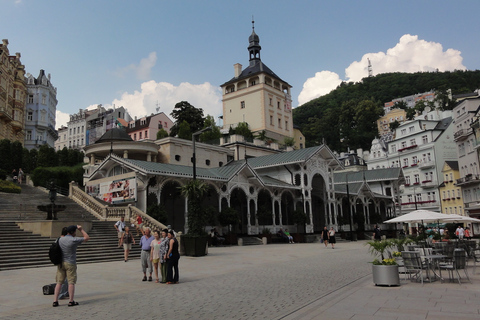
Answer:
(155, 252)
(460, 232)
(68, 268)
(290, 238)
(331, 237)
(172, 258)
(64, 289)
(127, 240)
(377, 235)
(14, 175)
(325, 236)
(120, 226)
(467, 234)
(20, 175)
(163, 253)
(145, 242)
(139, 224)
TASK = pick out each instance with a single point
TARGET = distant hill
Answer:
(346, 117)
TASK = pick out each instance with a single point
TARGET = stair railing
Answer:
(106, 213)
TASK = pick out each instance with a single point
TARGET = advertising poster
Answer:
(117, 191)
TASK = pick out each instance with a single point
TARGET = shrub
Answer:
(42, 176)
(9, 187)
(3, 174)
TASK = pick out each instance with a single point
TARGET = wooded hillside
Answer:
(346, 117)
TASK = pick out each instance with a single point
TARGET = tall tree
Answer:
(5, 156)
(213, 135)
(16, 152)
(47, 156)
(184, 131)
(184, 111)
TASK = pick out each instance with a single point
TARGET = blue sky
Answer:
(138, 54)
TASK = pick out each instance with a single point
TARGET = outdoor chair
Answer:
(459, 263)
(448, 251)
(413, 265)
(476, 258)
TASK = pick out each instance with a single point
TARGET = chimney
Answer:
(238, 69)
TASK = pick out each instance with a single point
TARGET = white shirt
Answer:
(120, 225)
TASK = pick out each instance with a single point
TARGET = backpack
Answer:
(49, 288)
(55, 253)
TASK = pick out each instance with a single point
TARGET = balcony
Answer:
(6, 113)
(468, 179)
(462, 134)
(407, 148)
(426, 164)
(428, 184)
(17, 125)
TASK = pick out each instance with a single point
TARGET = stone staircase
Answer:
(251, 241)
(23, 249)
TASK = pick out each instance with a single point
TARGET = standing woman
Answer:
(127, 240)
(331, 237)
(163, 253)
(325, 236)
(155, 252)
(172, 258)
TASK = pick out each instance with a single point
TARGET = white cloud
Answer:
(142, 70)
(144, 102)
(61, 119)
(321, 84)
(409, 55)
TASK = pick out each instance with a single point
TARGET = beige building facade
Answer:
(13, 92)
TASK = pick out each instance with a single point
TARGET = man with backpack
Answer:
(68, 267)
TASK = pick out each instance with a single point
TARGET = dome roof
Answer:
(115, 134)
(253, 37)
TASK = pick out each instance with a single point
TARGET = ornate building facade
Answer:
(12, 95)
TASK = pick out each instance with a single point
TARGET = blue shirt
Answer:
(145, 243)
(69, 245)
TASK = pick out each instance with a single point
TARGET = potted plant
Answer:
(195, 241)
(228, 217)
(385, 269)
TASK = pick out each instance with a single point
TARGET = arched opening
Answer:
(318, 203)
(174, 205)
(238, 201)
(264, 204)
(210, 204)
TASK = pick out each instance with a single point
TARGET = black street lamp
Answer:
(194, 160)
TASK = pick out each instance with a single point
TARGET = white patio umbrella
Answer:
(417, 216)
(458, 218)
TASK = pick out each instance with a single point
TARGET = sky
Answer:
(150, 54)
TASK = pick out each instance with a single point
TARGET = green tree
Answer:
(162, 134)
(33, 159)
(26, 161)
(16, 152)
(184, 131)
(244, 130)
(211, 136)
(184, 111)
(63, 157)
(5, 156)
(394, 125)
(194, 191)
(47, 157)
(289, 141)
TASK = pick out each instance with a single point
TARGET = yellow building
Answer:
(257, 96)
(383, 123)
(450, 194)
(12, 95)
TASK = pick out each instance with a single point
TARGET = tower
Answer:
(257, 96)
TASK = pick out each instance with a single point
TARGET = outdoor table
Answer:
(432, 264)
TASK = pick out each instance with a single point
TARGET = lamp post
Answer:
(194, 160)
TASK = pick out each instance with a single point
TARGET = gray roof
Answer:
(368, 175)
(452, 164)
(115, 134)
(284, 158)
(257, 68)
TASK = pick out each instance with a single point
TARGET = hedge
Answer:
(62, 175)
(9, 187)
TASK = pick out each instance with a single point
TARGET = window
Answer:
(278, 104)
(403, 132)
(146, 134)
(207, 162)
(410, 198)
(407, 180)
(166, 124)
(413, 142)
(405, 162)
(414, 160)
(424, 139)
(271, 120)
(280, 123)
(83, 127)
(140, 136)
(411, 129)
(286, 125)
(74, 129)
(135, 136)
(30, 98)
(270, 102)
(177, 157)
(30, 116)
(44, 99)
(394, 148)
(418, 197)
(220, 164)
(417, 178)
(242, 104)
(29, 135)
(404, 144)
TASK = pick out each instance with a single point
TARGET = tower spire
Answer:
(254, 46)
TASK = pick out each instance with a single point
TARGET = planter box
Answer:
(385, 275)
(195, 246)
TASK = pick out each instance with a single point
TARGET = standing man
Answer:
(120, 226)
(145, 242)
(68, 268)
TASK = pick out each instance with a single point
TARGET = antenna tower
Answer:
(370, 71)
